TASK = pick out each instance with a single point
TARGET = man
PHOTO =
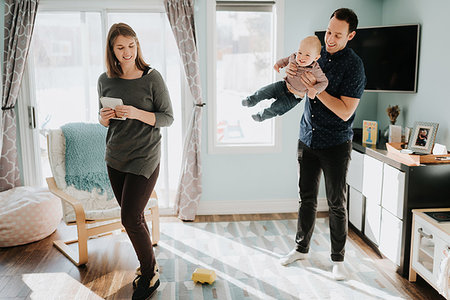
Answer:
(325, 140)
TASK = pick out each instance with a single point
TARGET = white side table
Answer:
(430, 239)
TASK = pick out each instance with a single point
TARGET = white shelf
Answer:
(429, 241)
(428, 250)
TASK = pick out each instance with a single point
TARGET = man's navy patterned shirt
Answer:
(320, 128)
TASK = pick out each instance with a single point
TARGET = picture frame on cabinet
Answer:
(370, 132)
(422, 137)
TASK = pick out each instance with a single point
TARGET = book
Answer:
(370, 132)
(112, 103)
(440, 216)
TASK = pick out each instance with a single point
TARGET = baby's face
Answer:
(306, 54)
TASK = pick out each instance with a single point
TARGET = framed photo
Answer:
(422, 137)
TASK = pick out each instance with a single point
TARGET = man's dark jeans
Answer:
(284, 100)
(334, 164)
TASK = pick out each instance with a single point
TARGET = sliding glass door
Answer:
(65, 61)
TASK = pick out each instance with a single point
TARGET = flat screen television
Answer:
(390, 55)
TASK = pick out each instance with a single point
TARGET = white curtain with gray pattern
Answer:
(181, 19)
(19, 23)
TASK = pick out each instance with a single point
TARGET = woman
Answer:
(133, 148)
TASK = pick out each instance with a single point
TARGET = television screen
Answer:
(390, 56)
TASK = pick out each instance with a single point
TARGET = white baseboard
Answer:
(254, 207)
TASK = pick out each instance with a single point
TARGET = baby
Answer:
(306, 59)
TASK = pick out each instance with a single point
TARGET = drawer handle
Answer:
(425, 235)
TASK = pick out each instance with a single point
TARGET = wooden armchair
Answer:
(90, 212)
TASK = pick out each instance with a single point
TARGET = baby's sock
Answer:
(257, 117)
(245, 102)
(248, 103)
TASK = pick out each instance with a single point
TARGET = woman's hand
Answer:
(127, 111)
(107, 113)
(131, 112)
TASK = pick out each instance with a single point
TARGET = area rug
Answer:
(245, 255)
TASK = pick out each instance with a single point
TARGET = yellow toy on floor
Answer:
(204, 276)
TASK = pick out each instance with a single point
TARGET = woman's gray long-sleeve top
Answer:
(131, 145)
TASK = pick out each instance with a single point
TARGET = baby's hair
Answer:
(314, 42)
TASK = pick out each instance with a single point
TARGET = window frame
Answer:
(211, 9)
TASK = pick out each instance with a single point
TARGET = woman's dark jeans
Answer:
(132, 193)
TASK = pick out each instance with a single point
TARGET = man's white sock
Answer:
(339, 272)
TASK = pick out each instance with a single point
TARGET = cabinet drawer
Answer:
(372, 178)
(391, 236)
(355, 208)
(372, 221)
(355, 171)
(393, 190)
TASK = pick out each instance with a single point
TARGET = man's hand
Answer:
(291, 69)
(309, 81)
(293, 91)
(312, 93)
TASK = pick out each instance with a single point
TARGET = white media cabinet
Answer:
(382, 193)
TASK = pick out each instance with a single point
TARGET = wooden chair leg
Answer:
(78, 258)
(82, 243)
(155, 225)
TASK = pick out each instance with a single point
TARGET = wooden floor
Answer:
(39, 271)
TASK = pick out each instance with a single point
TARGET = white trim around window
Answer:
(28, 133)
(213, 146)
(97, 5)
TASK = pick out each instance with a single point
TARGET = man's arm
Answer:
(343, 107)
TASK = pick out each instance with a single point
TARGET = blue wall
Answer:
(431, 102)
(274, 176)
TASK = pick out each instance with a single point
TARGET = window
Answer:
(66, 59)
(243, 56)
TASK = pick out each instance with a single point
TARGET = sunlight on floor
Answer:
(263, 265)
(115, 280)
(218, 273)
(46, 286)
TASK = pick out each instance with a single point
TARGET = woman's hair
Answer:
(112, 64)
(347, 15)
